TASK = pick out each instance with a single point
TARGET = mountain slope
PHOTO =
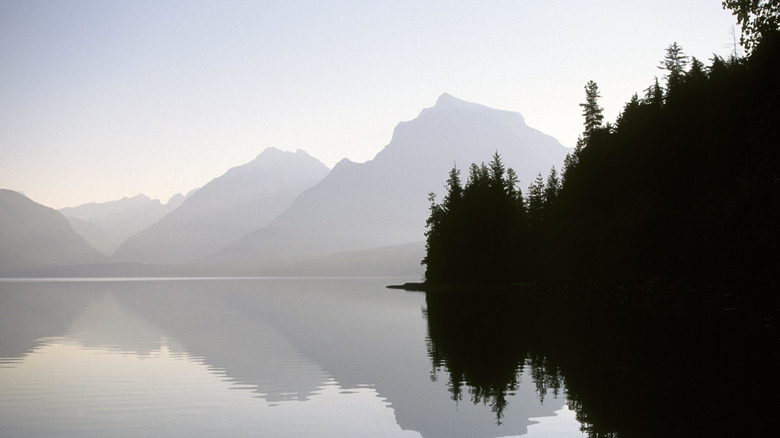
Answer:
(384, 201)
(32, 235)
(242, 200)
(106, 225)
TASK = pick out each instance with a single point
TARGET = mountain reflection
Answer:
(345, 348)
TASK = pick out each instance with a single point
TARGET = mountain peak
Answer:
(448, 101)
(275, 153)
(270, 151)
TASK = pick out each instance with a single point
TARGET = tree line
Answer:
(682, 189)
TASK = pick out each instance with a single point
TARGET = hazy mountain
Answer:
(32, 235)
(97, 237)
(384, 201)
(106, 225)
(242, 200)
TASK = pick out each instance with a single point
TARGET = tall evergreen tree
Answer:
(591, 110)
(497, 171)
(551, 189)
(454, 190)
(674, 63)
(536, 202)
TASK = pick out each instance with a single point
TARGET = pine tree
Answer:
(454, 190)
(571, 161)
(551, 189)
(442, 234)
(477, 230)
(697, 75)
(591, 110)
(497, 171)
(654, 95)
(629, 111)
(674, 63)
(536, 202)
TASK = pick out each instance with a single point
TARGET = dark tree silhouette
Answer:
(478, 231)
(674, 64)
(757, 18)
(682, 194)
(591, 110)
(656, 253)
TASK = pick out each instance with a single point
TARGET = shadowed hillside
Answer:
(32, 235)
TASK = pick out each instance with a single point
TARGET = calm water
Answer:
(257, 357)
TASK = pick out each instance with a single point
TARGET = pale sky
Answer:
(105, 99)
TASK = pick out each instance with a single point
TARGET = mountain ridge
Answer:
(243, 199)
(383, 202)
(105, 225)
(33, 235)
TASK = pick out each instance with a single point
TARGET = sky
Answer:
(100, 99)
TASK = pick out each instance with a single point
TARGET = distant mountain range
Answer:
(384, 201)
(32, 235)
(106, 225)
(288, 213)
(242, 200)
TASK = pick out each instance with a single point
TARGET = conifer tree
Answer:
(475, 233)
(654, 95)
(551, 189)
(591, 110)
(571, 161)
(497, 171)
(536, 202)
(454, 190)
(629, 111)
(674, 63)
(696, 75)
(511, 181)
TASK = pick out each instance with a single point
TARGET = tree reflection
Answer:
(625, 372)
(482, 342)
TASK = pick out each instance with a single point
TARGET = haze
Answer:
(104, 99)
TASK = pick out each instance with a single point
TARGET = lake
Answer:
(267, 357)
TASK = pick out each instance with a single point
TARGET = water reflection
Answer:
(228, 357)
(166, 394)
(483, 342)
(625, 372)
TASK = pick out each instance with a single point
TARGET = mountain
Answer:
(98, 238)
(242, 200)
(106, 225)
(32, 236)
(383, 202)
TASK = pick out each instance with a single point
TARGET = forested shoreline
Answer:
(646, 269)
(676, 201)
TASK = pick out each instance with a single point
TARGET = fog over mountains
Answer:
(287, 213)
(242, 200)
(106, 225)
(384, 201)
